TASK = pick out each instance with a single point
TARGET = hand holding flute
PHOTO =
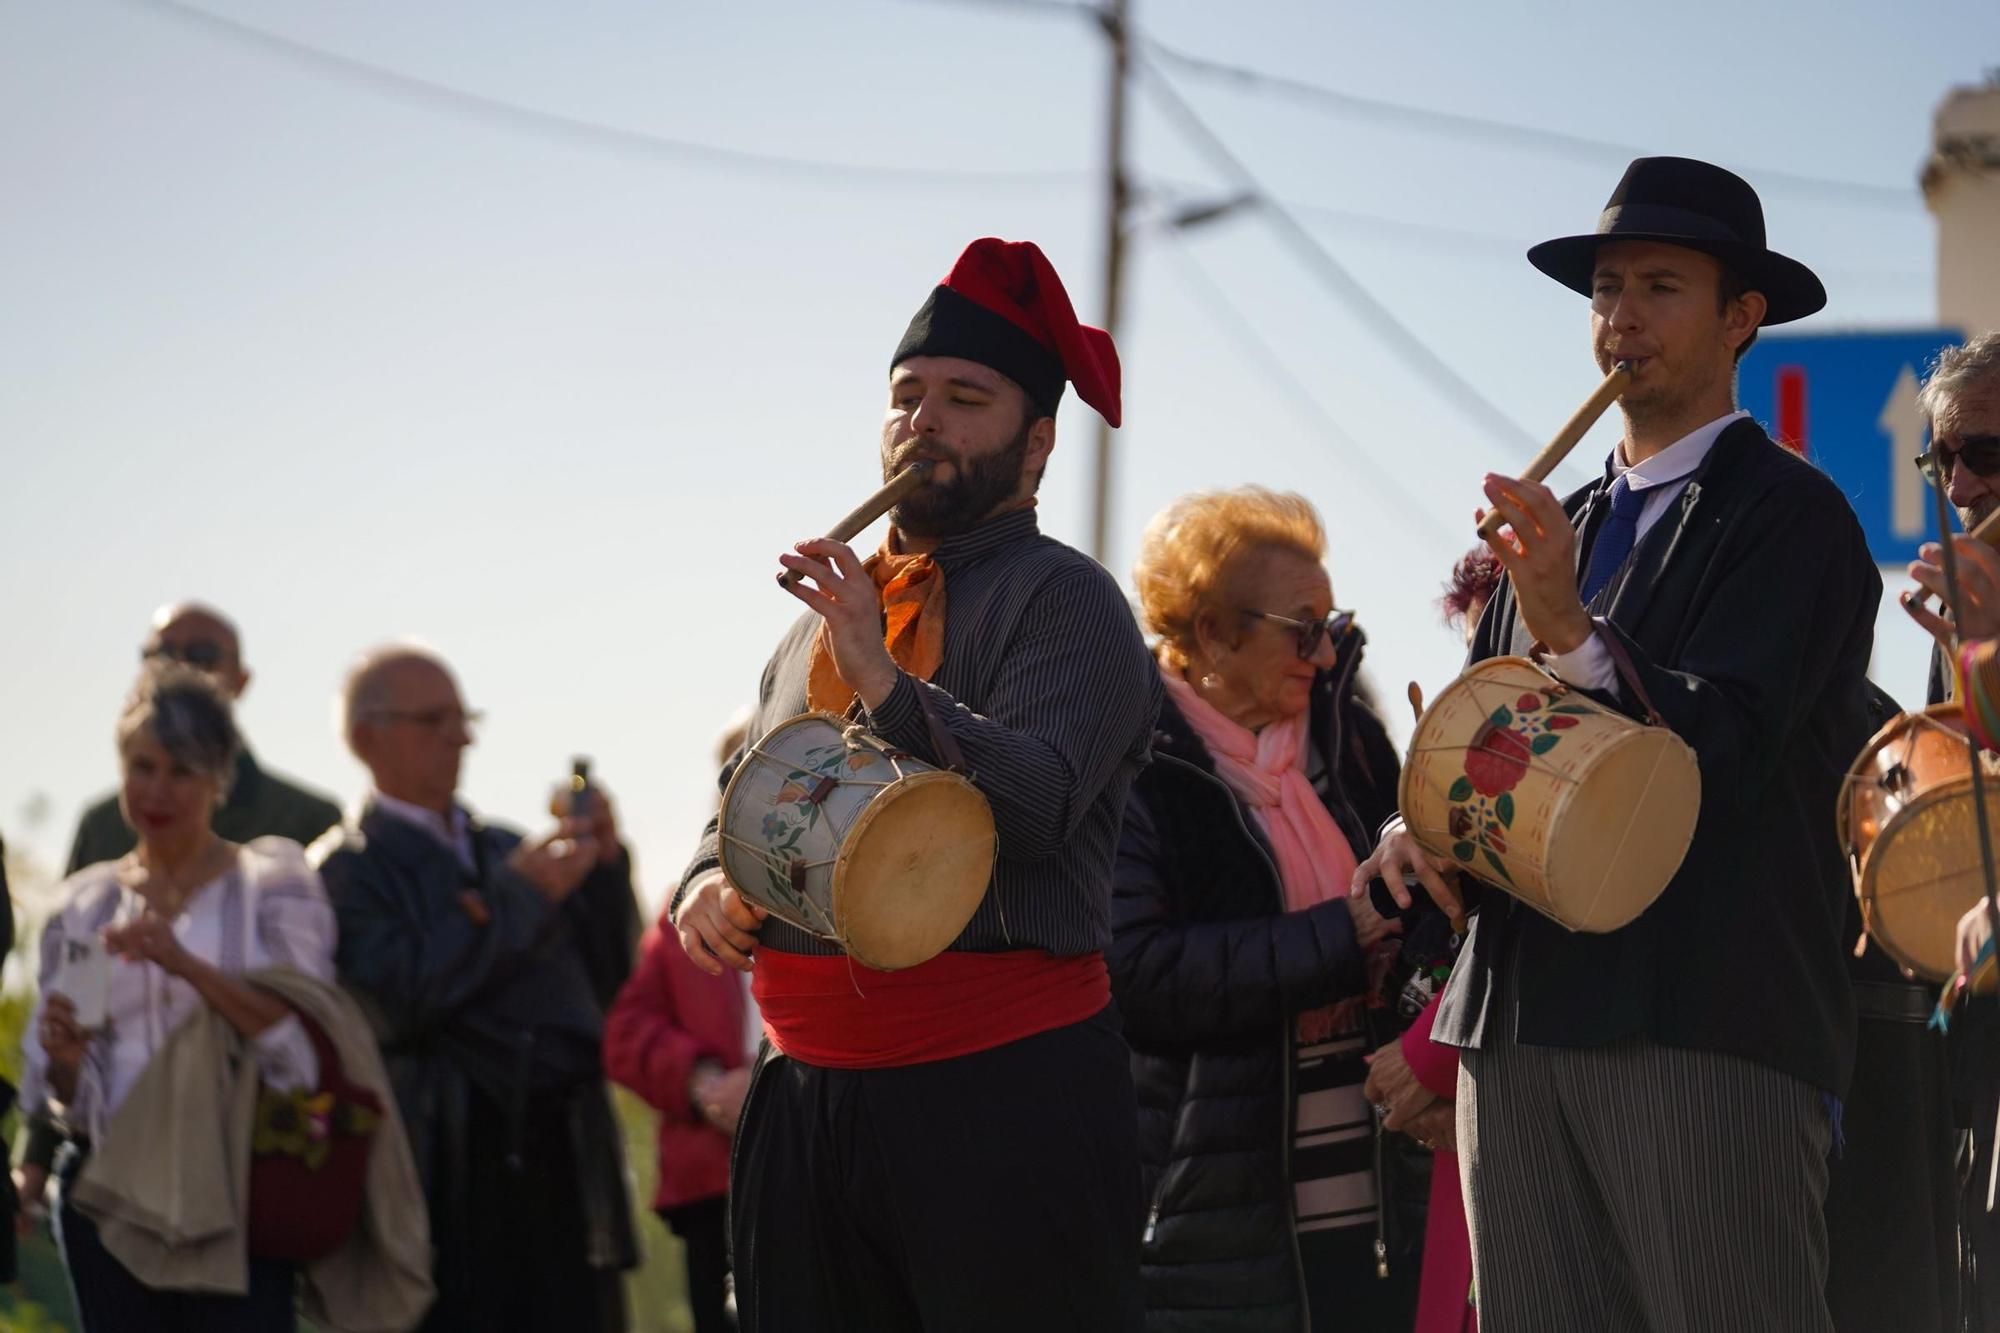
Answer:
(1539, 554)
(1978, 583)
(876, 505)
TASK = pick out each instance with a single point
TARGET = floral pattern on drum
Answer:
(795, 812)
(1482, 811)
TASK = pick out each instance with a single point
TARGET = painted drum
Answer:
(1532, 787)
(834, 830)
(1907, 821)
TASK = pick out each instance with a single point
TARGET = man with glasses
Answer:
(486, 963)
(1961, 402)
(261, 803)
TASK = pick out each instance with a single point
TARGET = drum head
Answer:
(1923, 874)
(1623, 831)
(913, 871)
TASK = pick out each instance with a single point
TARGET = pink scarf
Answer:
(1267, 771)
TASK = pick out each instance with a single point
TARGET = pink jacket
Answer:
(1446, 1282)
(670, 1015)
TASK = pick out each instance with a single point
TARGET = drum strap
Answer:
(941, 738)
(1622, 661)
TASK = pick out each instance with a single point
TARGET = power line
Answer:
(1460, 126)
(1360, 301)
(1229, 317)
(435, 96)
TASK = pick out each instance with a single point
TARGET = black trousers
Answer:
(997, 1191)
(1891, 1198)
(517, 1264)
(703, 1228)
(110, 1300)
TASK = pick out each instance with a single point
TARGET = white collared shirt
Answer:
(455, 834)
(1661, 479)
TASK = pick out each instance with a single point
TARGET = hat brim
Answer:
(1791, 290)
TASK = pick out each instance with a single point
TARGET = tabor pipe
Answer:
(1565, 440)
(1988, 531)
(872, 508)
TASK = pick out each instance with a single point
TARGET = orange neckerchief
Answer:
(912, 589)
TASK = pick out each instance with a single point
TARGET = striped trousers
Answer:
(1640, 1188)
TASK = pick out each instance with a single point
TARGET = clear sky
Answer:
(357, 360)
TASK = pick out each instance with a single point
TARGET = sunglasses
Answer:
(1310, 632)
(201, 654)
(1980, 453)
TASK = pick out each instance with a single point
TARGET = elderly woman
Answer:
(1251, 985)
(180, 918)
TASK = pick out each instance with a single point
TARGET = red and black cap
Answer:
(1003, 306)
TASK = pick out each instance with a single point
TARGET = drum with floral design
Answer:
(832, 829)
(1536, 789)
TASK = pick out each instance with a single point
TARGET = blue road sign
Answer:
(1849, 400)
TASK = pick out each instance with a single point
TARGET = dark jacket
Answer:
(477, 1017)
(1209, 971)
(260, 804)
(1748, 612)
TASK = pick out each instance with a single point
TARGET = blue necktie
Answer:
(1614, 540)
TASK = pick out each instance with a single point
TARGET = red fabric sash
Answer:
(837, 1014)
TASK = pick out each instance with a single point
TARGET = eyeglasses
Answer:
(1310, 632)
(201, 654)
(1981, 453)
(435, 719)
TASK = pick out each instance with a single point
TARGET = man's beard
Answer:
(979, 487)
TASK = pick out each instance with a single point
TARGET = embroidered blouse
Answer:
(266, 910)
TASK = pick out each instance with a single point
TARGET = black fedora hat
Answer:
(1679, 201)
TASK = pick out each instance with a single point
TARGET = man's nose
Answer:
(1966, 485)
(925, 420)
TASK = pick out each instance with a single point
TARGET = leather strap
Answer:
(1627, 672)
(942, 740)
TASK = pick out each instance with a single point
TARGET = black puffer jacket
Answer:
(1209, 971)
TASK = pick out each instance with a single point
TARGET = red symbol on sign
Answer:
(1792, 408)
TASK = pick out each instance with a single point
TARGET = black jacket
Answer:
(1748, 611)
(496, 1013)
(1209, 971)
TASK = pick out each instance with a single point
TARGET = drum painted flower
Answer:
(1505, 745)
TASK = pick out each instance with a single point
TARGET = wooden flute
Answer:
(1566, 439)
(876, 505)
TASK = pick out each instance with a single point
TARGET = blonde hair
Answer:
(1191, 547)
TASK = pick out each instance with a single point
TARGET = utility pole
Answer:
(1115, 18)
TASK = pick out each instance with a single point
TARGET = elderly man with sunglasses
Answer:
(1961, 401)
(486, 963)
(261, 803)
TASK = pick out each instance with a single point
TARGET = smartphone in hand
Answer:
(83, 974)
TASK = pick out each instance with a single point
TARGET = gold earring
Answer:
(1210, 681)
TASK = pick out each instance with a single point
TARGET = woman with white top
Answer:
(181, 918)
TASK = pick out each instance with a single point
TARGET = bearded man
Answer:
(953, 1145)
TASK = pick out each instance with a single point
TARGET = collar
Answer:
(994, 535)
(1677, 460)
(455, 834)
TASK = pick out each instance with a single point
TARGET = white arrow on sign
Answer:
(1904, 425)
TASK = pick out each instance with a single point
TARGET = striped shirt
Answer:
(1051, 695)
(1333, 1130)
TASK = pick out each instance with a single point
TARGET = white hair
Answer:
(364, 692)
(1956, 370)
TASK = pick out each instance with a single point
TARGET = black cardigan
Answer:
(1208, 970)
(1748, 611)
